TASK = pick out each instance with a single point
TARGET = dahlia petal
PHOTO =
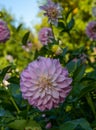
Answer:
(23, 89)
(49, 2)
(45, 35)
(55, 94)
(90, 30)
(28, 94)
(42, 108)
(56, 75)
(61, 78)
(36, 95)
(27, 84)
(50, 105)
(42, 94)
(23, 95)
(33, 88)
(45, 100)
(48, 91)
(39, 102)
(65, 83)
(43, 7)
(52, 70)
(4, 32)
(62, 95)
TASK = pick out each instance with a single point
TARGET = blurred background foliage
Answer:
(76, 14)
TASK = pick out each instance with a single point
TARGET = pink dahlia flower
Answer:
(53, 11)
(45, 83)
(45, 35)
(91, 30)
(4, 32)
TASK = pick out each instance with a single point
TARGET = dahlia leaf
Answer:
(79, 73)
(18, 124)
(92, 75)
(71, 125)
(70, 24)
(19, 27)
(3, 72)
(61, 25)
(64, 51)
(25, 38)
(71, 66)
(87, 89)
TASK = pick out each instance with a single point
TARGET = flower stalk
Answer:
(15, 105)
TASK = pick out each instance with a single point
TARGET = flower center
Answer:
(45, 81)
(52, 12)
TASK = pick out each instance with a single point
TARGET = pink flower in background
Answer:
(91, 30)
(45, 83)
(27, 47)
(4, 32)
(48, 126)
(45, 35)
(53, 11)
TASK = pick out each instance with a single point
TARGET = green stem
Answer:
(74, 45)
(52, 30)
(91, 104)
(15, 105)
(28, 107)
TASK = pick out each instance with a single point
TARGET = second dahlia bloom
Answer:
(53, 11)
(91, 30)
(45, 83)
(4, 32)
(45, 35)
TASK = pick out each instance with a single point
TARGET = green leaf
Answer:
(77, 88)
(61, 25)
(32, 124)
(1, 14)
(18, 124)
(2, 112)
(70, 24)
(3, 93)
(79, 73)
(87, 89)
(84, 124)
(25, 38)
(64, 51)
(69, 12)
(15, 92)
(3, 72)
(92, 75)
(24, 124)
(71, 125)
(68, 126)
(71, 66)
(14, 80)
(19, 27)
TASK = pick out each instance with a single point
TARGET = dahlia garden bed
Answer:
(48, 81)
